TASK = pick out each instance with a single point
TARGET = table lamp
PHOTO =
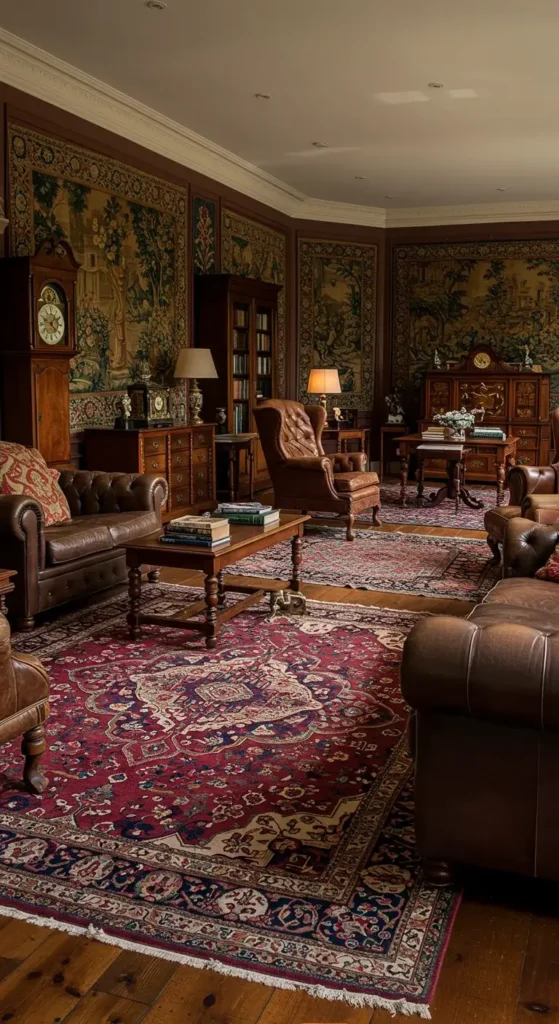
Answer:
(195, 364)
(324, 382)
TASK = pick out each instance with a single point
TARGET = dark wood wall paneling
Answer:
(18, 107)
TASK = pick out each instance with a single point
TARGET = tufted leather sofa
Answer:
(56, 564)
(484, 729)
(302, 475)
(24, 706)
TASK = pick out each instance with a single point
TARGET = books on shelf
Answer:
(198, 531)
(240, 339)
(494, 433)
(240, 419)
(241, 316)
(264, 365)
(241, 387)
(240, 364)
(263, 342)
(262, 323)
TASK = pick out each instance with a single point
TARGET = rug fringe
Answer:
(393, 1006)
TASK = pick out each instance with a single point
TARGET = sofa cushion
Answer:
(492, 613)
(522, 592)
(126, 526)
(83, 536)
(344, 482)
(24, 471)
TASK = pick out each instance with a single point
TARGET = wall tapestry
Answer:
(203, 236)
(254, 250)
(337, 316)
(452, 297)
(128, 231)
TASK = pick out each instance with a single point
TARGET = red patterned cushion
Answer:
(24, 471)
(550, 571)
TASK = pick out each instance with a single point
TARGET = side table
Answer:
(233, 445)
(345, 435)
(6, 586)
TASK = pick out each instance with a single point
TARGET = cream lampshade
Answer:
(194, 364)
(324, 382)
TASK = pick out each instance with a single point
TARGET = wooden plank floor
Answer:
(502, 965)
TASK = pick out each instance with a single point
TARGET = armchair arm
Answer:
(90, 493)
(22, 547)
(500, 672)
(525, 480)
(308, 477)
(527, 546)
(350, 462)
(541, 508)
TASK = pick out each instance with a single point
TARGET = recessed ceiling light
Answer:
(435, 85)
(262, 95)
(359, 177)
(320, 145)
(156, 5)
(500, 190)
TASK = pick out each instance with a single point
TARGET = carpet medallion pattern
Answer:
(442, 515)
(398, 562)
(248, 807)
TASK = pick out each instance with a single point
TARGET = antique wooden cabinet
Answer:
(515, 400)
(185, 456)
(236, 317)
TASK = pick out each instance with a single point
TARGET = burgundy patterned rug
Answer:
(248, 808)
(443, 515)
(404, 563)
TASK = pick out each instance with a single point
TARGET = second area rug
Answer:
(403, 563)
(248, 808)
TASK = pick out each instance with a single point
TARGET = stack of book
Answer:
(493, 433)
(246, 513)
(433, 433)
(197, 531)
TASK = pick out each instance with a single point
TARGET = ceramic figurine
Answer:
(528, 361)
(395, 410)
(437, 360)
(337, 414)
(126, 404)
(221, 420)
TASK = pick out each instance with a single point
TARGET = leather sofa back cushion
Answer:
(24, 471)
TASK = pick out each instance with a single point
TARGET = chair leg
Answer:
(376, 520)
(495, 550)
(349, 520)
(437, 872)
(153, 575)
(24, 623)
(33, 746)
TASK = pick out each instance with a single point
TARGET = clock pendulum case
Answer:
(38, 295)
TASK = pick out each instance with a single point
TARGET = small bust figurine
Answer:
(126, 405)
(395, 410)
(437, 360)
(528, 361)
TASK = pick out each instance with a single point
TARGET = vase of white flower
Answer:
(456, 423)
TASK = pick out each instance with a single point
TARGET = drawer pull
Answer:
(154, 464)
(178, 460)
(179, 478)
(155, 445)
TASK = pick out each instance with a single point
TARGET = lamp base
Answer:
(323, 401)
(195, 400)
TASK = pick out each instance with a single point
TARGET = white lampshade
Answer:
(324, 382)
(195, 363)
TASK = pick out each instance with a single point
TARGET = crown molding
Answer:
(475, 213)
(34, 71)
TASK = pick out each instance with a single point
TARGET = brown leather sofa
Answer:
(534, 494)
(56, 564)
(485, 697)
(24, 706)
(304, 477)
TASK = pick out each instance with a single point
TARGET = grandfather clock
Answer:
(37, 341)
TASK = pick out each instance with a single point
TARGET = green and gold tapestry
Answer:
(128, 231)
(203, 236)
(454, 296)
(251, 249)
(337, 316)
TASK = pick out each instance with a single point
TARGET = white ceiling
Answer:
(325, 62)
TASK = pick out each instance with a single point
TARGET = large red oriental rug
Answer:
(248, 808)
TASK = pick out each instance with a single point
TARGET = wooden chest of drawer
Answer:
(184, 455)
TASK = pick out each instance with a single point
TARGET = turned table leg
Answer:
(33, 746)
(211, 587)
(500, 481)
(404, 470)
(220, 588)
(134, 594)
(296, 559)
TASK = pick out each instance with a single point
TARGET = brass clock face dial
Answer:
(158, 403)
(51, 315)
(482, 360)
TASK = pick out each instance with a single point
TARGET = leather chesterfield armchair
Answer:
(56, 564)
(304, 477)
(24, 706)
(485, 724)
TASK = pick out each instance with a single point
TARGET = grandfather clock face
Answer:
(52, 316)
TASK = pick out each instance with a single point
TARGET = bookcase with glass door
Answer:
(236, 317)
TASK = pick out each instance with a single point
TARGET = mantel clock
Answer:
(38, 295)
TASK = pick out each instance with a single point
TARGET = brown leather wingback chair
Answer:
(304, 477)
(24, 706)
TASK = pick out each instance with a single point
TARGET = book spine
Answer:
(193, 531)
(246, 520)
(199, 542)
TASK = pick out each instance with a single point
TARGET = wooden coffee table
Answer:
(245, 540)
